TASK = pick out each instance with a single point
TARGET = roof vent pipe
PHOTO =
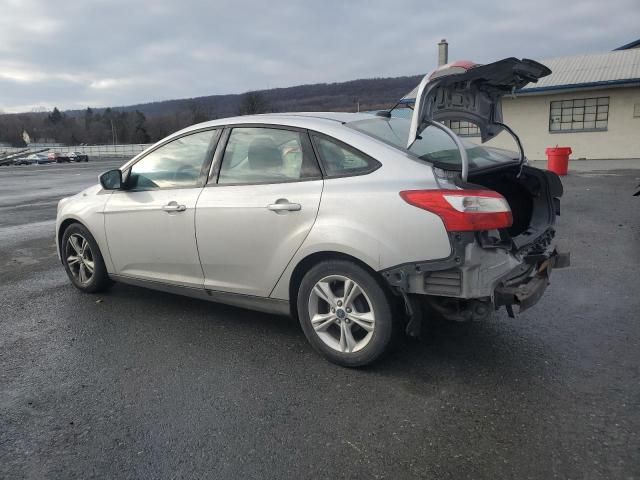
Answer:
(443, 52)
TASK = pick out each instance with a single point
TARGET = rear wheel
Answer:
(344, 312)
(83, 261)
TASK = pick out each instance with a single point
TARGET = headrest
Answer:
(264, 154)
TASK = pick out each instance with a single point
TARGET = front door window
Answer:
(178, 164)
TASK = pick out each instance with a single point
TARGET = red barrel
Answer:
(558, 159)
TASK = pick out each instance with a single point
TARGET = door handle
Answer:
(174, 207)
(283, 205)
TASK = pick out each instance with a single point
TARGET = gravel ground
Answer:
(140, 384)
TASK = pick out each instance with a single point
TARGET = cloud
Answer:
(75, 53)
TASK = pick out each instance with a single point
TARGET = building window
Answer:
(463, 129)
(584, 114)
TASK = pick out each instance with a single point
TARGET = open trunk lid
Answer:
(470, 92)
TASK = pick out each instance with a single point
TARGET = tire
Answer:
(367, 313)
(78, 257)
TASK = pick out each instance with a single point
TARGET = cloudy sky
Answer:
(79, 53)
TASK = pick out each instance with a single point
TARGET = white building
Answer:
(590, 103)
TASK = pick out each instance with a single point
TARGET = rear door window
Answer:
(267, 155)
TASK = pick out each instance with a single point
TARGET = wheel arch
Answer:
(308, 262)
(66, 223)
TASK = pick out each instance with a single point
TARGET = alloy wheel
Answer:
(80, 258)
(341, 313)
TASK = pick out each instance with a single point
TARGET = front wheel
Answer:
(83, 261)
(345, 313)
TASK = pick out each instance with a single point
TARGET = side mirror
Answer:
(111, 180)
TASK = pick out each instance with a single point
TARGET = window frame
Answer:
(213, 143)
(214, 173)
(375, 164)
(469, 126)
(573, 100)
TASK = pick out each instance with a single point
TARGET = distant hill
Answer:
(149, 122)
(371, 93)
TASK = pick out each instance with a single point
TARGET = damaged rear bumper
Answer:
(474, 274)
(526, 292)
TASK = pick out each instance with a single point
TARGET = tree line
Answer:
(110, 126)
(147, 123)
(92, 127)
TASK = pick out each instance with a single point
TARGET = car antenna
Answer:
(387, 113)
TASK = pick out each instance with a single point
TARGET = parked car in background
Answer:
(22, 161)
(351, 223)
(34, 158)
(78, 157)
(40, 158)
(59, 157)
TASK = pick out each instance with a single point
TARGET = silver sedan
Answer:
(351, 223)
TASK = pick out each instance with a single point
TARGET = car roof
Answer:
(329, 123)
(302, 119)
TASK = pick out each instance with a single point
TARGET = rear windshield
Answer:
(433, 145)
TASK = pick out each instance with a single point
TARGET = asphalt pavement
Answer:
(140, 384)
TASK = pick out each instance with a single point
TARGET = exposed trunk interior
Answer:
(533, 198)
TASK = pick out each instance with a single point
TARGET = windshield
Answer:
(433, 145)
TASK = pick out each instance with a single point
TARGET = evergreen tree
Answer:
(88, 118)
(140, 131)
(55, 117)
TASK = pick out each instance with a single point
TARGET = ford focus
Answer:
(354, 224)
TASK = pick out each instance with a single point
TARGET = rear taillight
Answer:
(463, 210)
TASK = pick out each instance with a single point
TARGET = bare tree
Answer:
(198, 114)
(252, 103)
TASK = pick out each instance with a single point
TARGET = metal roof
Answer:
(620, 67)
